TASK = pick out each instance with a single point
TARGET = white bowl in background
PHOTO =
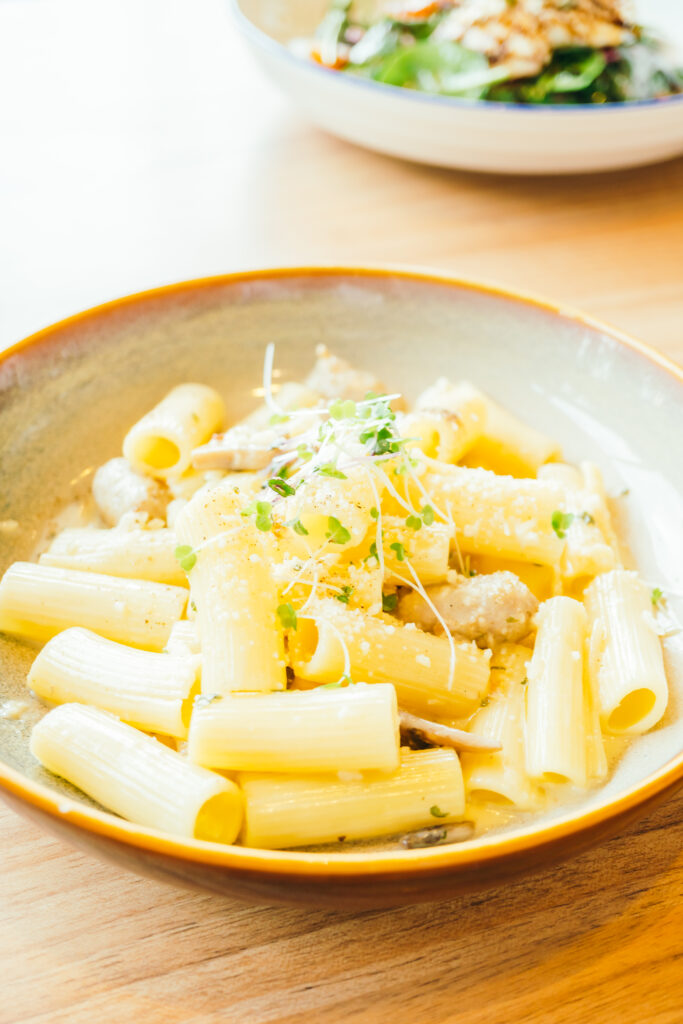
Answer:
(477, 135)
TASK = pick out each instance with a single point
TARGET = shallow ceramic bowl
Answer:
(68, 394)
(507, 138)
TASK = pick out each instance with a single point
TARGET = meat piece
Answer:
(522, 36)
(490, 609)
(117, 489)
(443, 735)
(438, 835)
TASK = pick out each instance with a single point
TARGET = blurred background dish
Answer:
(542, 124)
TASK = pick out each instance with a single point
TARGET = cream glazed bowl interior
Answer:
(68, 394)
(447, 131)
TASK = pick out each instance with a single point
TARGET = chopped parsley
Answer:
(287, 616)
(389, 602)
(185, 556)
(436, 812)
(337, 533)
(346, 592)
(560, 522)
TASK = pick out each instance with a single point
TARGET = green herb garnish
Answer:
(560, 522)
(298, 527)
(337, 533)
(427, 515)
(331, 470)
(414, 522)
(374, 512)
(389, 602)
(185, 556)
(436, 812)
(346, 592)
(656, 596)
(399, 550)
(287, 616)
(343, 409)
(281, 487)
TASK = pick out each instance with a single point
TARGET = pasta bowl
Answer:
(69, 393)
(446, 131)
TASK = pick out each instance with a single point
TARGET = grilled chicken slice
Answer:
(491, 609)
(521, 36)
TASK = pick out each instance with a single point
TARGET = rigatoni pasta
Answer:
(135, 775)
(290, 603)
(151, 691)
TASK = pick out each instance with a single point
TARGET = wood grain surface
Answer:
(177, 160)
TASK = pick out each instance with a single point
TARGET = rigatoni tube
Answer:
(383, 650)
(151, 691)
(627, 667)
(301, 810)
(241, 637)
(136, 776)
(349, 729)
(161, 443)
(555, 711)
(37, 601)
(136, 554)
(502, 775)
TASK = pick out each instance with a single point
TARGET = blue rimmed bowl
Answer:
(474, 135)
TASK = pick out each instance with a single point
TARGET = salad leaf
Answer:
(439, 67)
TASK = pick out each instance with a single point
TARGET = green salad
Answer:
(514, 51)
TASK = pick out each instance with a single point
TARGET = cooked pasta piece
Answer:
(234, 592)
(447, 420)
(555, 709)
(587, 551)
(37, 601)
(347, 500)
(354, 728)
(136, 776)
(161, 443)
(502, 775)
(183, 638)
(427, 550)
(151, 691)
(494, 515)
(509, 446)
(290, 396)
(133, 553)
(302, 810)
(381, 649)
(118, 489)
(627, 667)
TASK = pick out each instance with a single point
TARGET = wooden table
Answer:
(140, 146)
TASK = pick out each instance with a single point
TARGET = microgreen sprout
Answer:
(335, 532)
(414, 522)
(436, 812)
(389, 602)
(298, 527)
(287, 616)
(560, 522)
(346, 592)
(281, 487)
(656, 596)
(400, 551)
(185, 556)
